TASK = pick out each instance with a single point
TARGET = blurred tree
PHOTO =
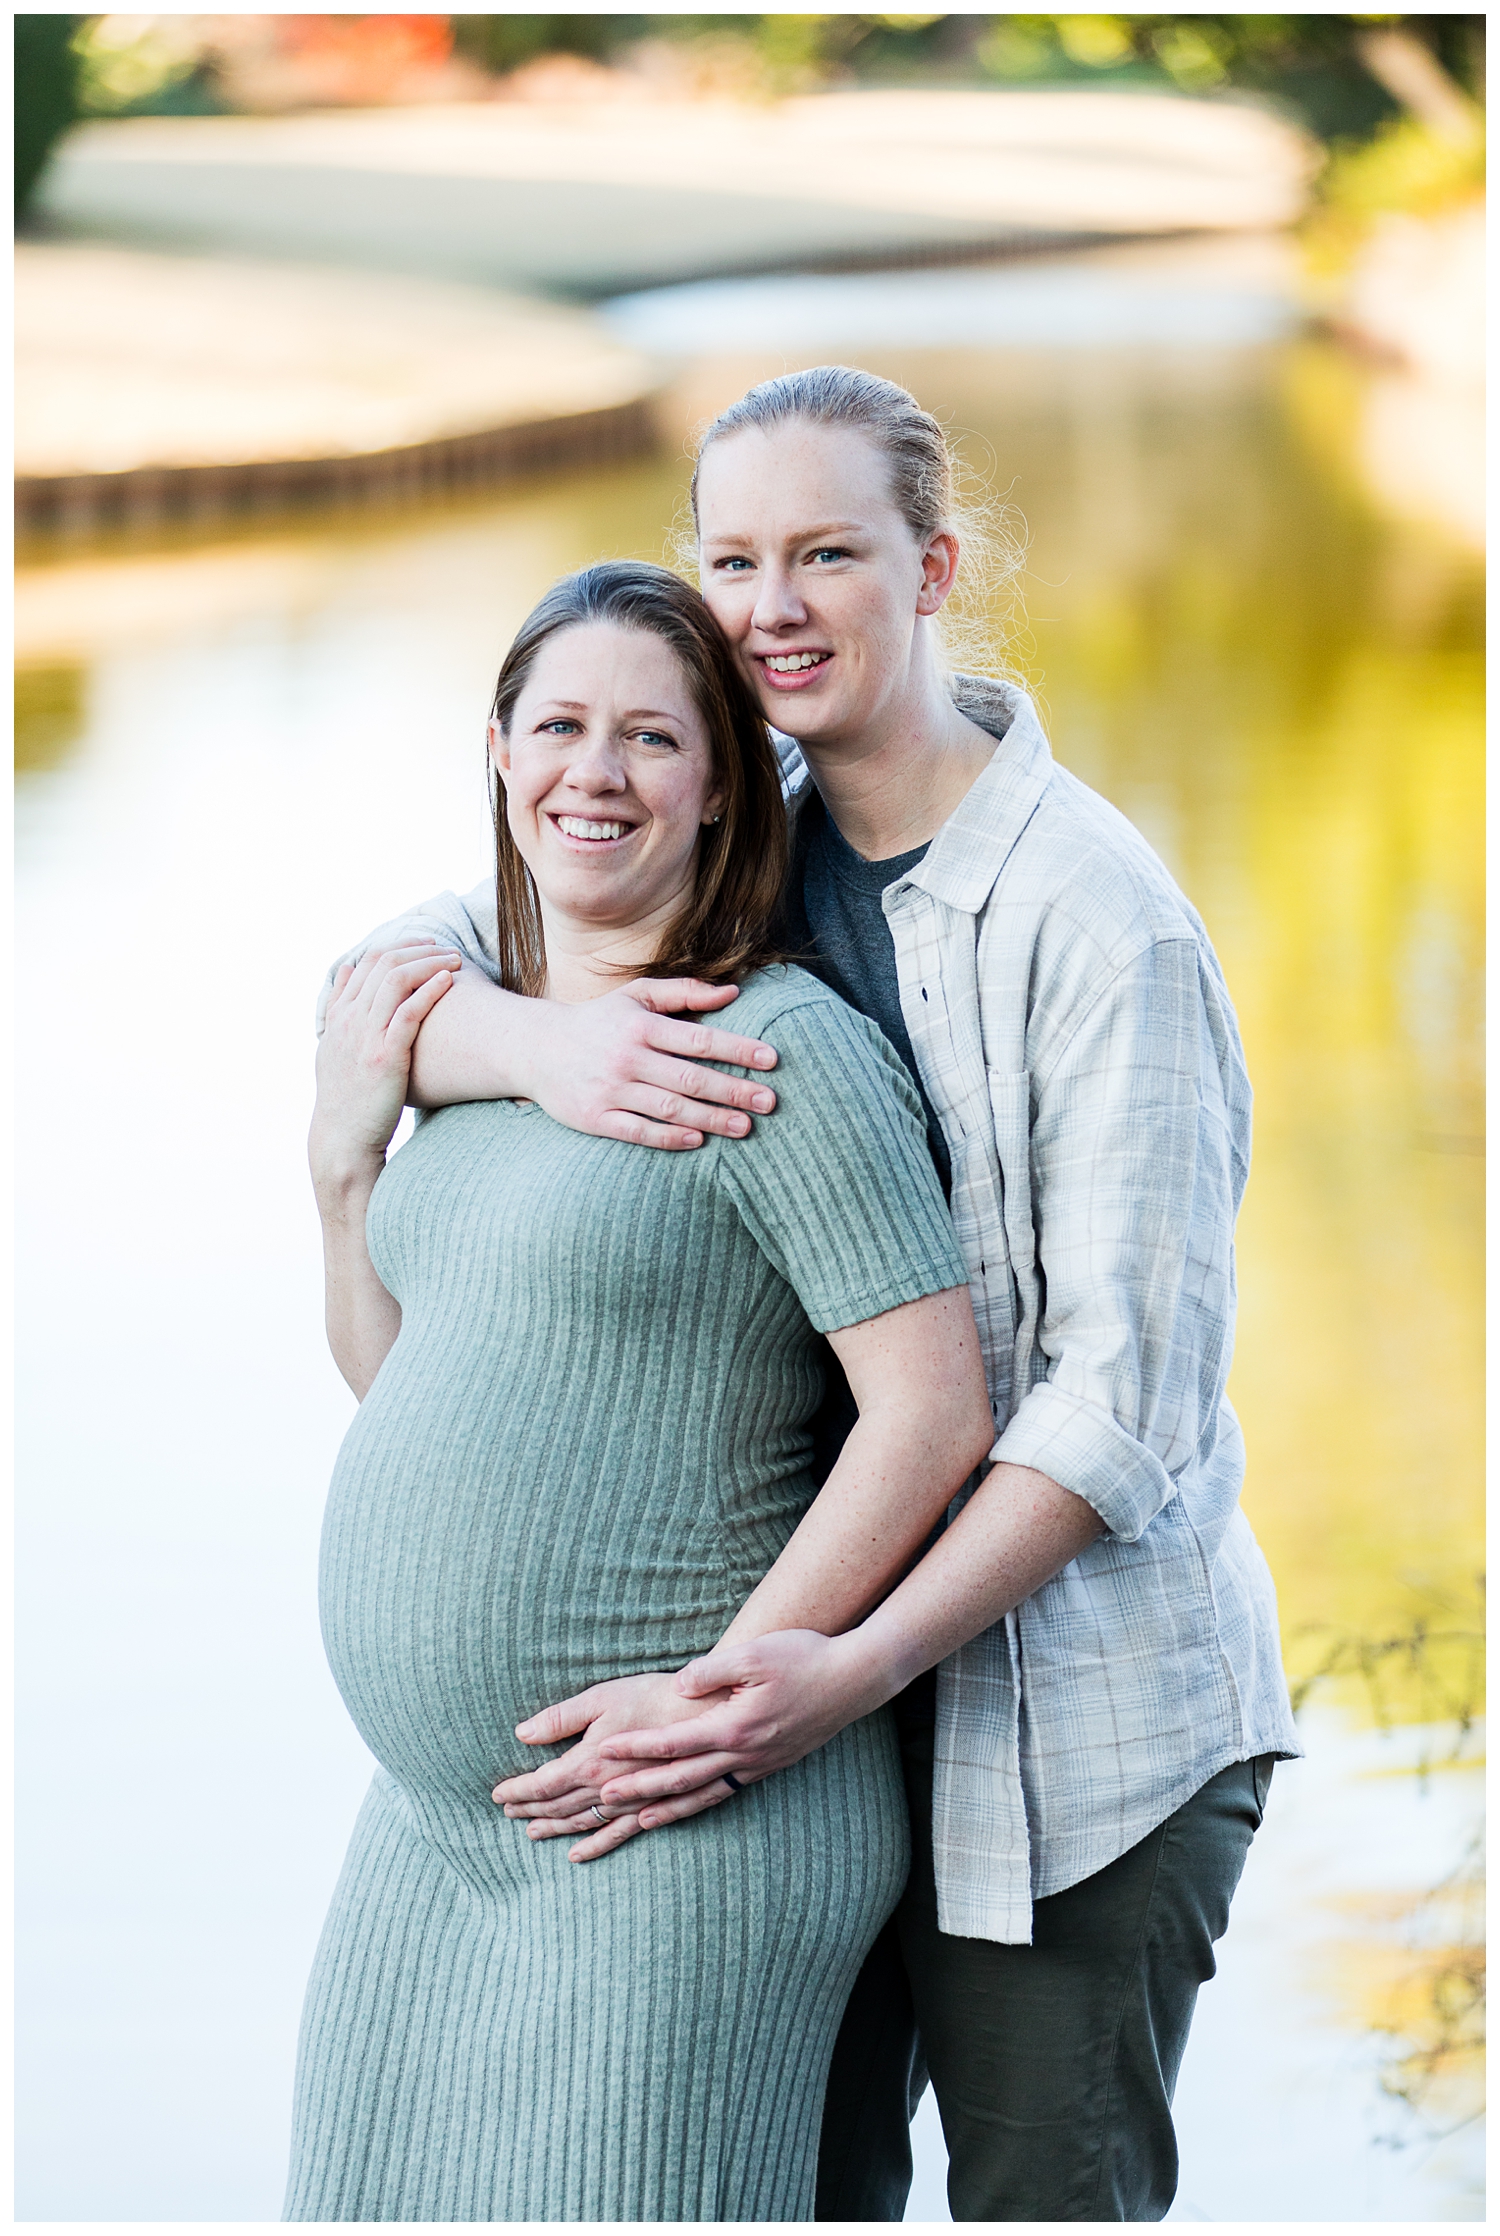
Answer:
(145, 66)
(46, 94)
(502, 43)
(1346, 77)
(1317, 65)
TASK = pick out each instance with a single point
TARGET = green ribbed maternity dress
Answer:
(587, 1445)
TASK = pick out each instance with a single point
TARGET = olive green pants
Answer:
(1054, 2064)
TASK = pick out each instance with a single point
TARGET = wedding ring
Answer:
(598, 1812)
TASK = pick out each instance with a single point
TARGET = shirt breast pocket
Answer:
(1010, 1113)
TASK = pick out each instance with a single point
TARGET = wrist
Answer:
(883, 1658)
(865, 1677)
(533, 1057)
(343, 1175)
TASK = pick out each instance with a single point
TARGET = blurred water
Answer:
(1185, 295)
(238, 753)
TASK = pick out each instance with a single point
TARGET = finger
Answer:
(674, 1074)
(716, 1672)
(570, 1803)
(654, 1746)
(563, 1828)
(708, 1044)
(662, 1107)
(361, 972)
(666, 994)
(690, 1805)
(606, 1838)
(555, 1827)
(561, 1719)
(714, 1732)
(672, 1779)
(417, 1008)
(670, 1091)
(625, 1125)
(549, 1784)
(376, 961)
(402, 979)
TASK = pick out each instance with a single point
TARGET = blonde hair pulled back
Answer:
(926, 478)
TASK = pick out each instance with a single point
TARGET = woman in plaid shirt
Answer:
(1085, 1664)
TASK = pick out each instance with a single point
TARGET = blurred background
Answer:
(339, 337)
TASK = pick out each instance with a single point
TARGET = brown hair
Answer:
(724, 929)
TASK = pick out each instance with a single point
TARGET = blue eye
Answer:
(727, 566)
(655, 737)
(830, 551)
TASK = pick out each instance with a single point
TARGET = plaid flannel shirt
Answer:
(1077, 1041)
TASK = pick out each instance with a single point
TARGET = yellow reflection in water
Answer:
(1413, 1971)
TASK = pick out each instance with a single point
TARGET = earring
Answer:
(718, 818)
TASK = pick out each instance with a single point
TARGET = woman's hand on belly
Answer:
(767, 1702)
(559, 1800)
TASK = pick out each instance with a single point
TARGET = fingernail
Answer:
(523, 1731)
(763, 1101)
(739, 1125)
(764, 1056)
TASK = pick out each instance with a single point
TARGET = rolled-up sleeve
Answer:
(1135, 1180)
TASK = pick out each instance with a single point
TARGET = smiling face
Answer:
(814, 575)
(609, 780)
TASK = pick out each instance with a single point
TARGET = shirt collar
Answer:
(962, 863)
(969, 852)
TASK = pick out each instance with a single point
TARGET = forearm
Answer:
(362, 1318)
(475, 1046)
(1015, 1534)
(892, 1484)
(789, 1693)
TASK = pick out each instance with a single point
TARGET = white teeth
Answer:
(789, 663)
(576, 827)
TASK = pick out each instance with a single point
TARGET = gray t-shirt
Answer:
(839, 931)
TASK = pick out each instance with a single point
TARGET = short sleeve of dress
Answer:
(837, 1185)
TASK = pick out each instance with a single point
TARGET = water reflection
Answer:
(243, 750)
(50, 712)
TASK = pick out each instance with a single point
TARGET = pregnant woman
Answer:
(586, 1378)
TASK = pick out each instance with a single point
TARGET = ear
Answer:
(939, 571)
(499, 746)
(713, 806)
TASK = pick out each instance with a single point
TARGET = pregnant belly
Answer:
(459, 1597)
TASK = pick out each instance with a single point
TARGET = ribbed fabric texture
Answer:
(586, 1447)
